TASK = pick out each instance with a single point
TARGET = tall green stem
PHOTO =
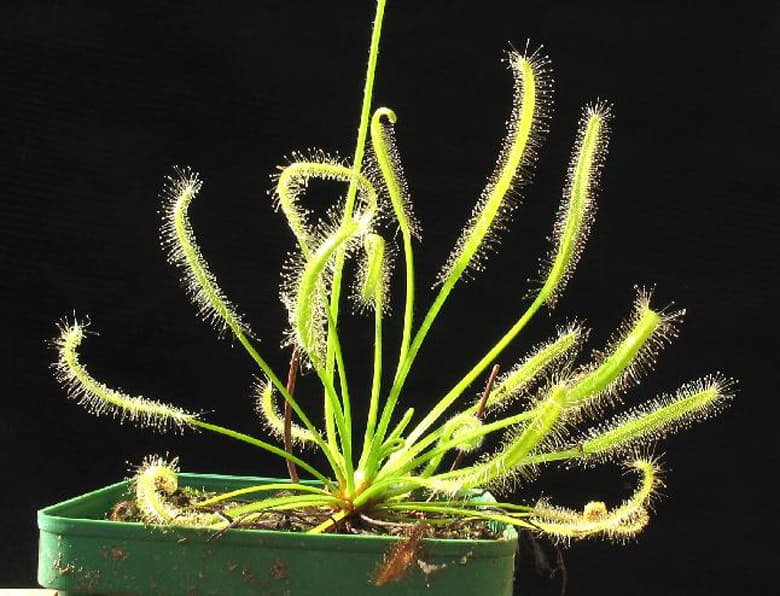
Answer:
(360, 146)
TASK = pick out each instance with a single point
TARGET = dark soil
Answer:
(302, 520)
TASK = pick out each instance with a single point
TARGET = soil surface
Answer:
(302, 520)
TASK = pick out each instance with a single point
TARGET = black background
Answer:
(98, 100)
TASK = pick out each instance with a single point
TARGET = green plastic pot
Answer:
(83, 553)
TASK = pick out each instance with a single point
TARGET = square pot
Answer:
(81, 552)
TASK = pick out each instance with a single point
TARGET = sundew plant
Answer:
(399, 464)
